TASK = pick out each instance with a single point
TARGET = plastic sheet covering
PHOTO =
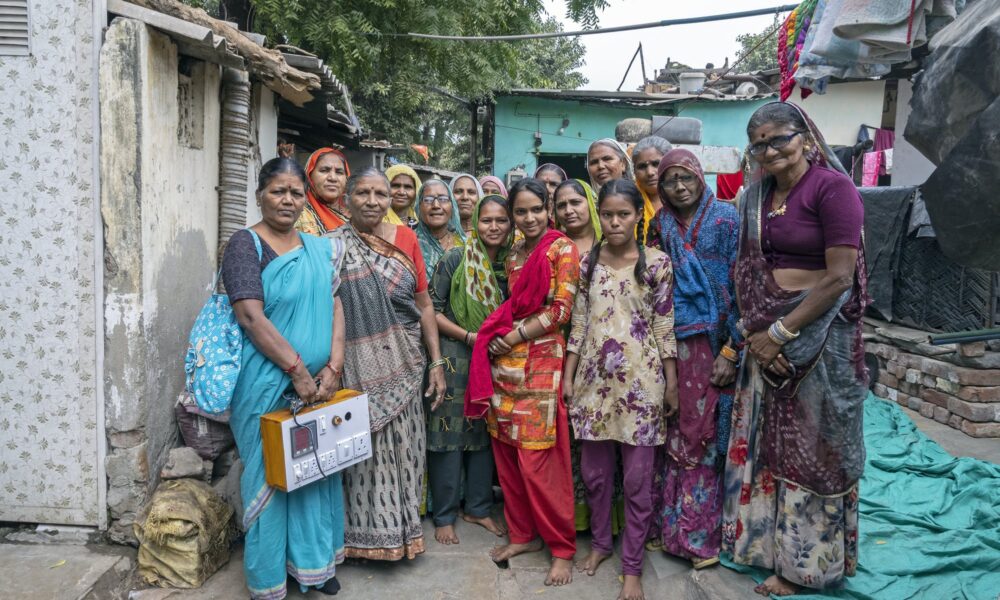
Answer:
(960, 81)
(184, 534)
(929, 521)
(961, 195)
(885, 224)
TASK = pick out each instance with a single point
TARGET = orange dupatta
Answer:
(330, 219)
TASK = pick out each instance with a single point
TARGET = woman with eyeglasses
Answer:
(796, 450)
(699, 234)
(440, 227)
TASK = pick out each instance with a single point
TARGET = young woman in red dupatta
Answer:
(523, 405)
(326, 209)
(796, 450)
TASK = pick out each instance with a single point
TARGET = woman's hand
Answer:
(567, 388)
(768, 354)
(329, 383)
(671, 400)
(723, 372)
(435, 386)
(304, 385)
(498, 347)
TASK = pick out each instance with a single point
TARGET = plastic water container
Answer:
(691, 82)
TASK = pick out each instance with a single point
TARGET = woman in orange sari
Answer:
(326, 208)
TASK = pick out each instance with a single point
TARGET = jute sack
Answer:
(184, 534)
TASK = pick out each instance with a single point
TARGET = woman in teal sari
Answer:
(283, 286)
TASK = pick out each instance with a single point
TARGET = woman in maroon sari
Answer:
(796, 450)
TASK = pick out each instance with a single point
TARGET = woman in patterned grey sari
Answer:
(389, 321)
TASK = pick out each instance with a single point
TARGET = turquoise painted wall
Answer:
(517, 118)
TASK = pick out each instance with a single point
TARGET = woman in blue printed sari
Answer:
(283, 288)
(699, 232)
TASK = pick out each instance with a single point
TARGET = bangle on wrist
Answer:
(785, 333)
(729, 354)
(336, 372)
(521, 334)
(468, 334)
(291, 369)
(437, 363)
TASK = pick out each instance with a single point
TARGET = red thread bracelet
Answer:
(291, 369)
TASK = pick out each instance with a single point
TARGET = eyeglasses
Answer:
(777, 142)
(428, 200)
(685, 180)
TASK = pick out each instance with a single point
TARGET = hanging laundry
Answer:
(824, 55)
(791, 38)
(728, 185)
(890, 28)
(872, 166)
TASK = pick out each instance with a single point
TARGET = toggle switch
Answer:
(322, 424)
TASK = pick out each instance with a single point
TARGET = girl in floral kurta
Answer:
(620, 376)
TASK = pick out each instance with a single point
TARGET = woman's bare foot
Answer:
(589, 564)
(632, 589)
(560, 573)
(495, 527)
(777, 586)
(446, 535)
(507, 551)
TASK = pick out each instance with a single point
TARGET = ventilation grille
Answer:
(14, 39)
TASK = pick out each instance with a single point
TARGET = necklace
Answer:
(777, 212)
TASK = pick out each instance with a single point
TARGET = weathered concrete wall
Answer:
(160, 133)
(51, 435)
(264, 127)
(844, 108)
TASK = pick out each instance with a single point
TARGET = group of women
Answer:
(629, 355)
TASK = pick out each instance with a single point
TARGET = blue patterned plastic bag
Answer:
(215, 350)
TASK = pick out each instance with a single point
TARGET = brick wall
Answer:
(957, 385)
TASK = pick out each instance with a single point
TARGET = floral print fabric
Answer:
(622, 331)
(809, 539)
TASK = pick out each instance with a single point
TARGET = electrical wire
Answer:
(556, 34)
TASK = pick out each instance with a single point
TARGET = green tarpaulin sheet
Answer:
(930, 523)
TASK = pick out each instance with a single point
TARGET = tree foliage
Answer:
(392, 78)
(763, 56)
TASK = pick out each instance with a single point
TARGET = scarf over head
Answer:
(701, 281)
(408, 213)
(496, 181)
(802, 443)
(551, 167)
(475, 287)
(328, 217)
(595, 221)
(479, 191)
(527, 297)
(619, 149)
(430, 247)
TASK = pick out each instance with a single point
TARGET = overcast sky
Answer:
(694, 45)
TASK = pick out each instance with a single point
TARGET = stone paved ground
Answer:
(465, 572)
(61, 567)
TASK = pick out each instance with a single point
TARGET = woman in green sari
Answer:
(283, 286)
(468, 284)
